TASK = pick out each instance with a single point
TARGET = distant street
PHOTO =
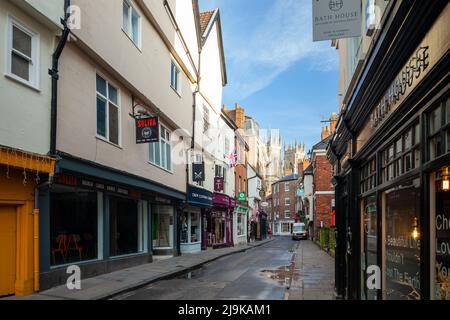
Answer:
(266, 272)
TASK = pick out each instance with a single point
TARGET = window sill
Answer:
(23, 82)
(159, 167)
(176, 91)
(108, 142)
(132, 41)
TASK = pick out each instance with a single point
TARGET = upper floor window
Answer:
(439, 130)
(161, 152)
(131, 23)
(206, 124)
(107, 111)
(221, 172)
(22, 54)
(287, 214)
(368, 176)
(175, 77)
(401, 156)
(287, 201)
(286, 187)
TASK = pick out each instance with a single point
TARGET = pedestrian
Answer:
(270, 233)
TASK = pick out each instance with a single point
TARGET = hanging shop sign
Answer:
(198, 172)
(218, 184)
(242, 196)
(336, 19)
(147, 130)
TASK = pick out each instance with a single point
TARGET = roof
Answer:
(322, 145)
(292, 176)
(308, 170)
(205, 17)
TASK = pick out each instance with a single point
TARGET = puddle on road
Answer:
(282, 275)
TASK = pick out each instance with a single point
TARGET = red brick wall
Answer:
(281, 195)
(323, 209)
(241, 171)
(322, 182)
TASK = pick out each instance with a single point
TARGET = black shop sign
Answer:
(147, 130)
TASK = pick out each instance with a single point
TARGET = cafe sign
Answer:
(147, 130)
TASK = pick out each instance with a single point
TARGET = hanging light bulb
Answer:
(415, 232)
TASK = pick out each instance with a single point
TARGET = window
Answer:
(131, 23)
(175, 77)
(439, 130)
(107, 111)
(287, 214)
(190, 227)
(22, 54)
(162, 226)
(286, 186)
(399, 158)
(367, 176)
(241, 225)
(160, 152)
(227, 146)
(287, 201)
(206, 123)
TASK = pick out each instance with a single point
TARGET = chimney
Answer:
(224, 107)
(300, 168)
(333, 121)
(325, 132)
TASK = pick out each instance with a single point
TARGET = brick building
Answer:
(284, 204)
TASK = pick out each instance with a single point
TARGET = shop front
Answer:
(240, 220)
(102, 221)
(20, 174)
(392, 182)
(193, 220)
(220, 221)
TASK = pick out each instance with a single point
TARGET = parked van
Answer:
(299, 231)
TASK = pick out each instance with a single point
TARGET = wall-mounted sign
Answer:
(200, 197)
(218, 184)
(198, 172)
(147, 129)
(336, 19)
(242, 196)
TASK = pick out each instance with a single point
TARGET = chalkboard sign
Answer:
(442, 281)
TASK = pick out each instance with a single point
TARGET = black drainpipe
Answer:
(53, 72)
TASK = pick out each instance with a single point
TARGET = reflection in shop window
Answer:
(73, 226)
(369, 244)
(162, 226)
(402, 251)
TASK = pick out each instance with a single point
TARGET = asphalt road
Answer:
(261, 273)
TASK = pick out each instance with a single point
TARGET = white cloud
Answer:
(258, 53)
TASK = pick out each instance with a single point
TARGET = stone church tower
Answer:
(294, 153)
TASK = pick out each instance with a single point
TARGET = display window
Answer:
(162, 226)
(74, 218)
(190, 228)
(402, 239)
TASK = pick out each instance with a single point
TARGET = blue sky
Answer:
(275, 71)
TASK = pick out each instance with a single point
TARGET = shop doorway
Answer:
(8, 230)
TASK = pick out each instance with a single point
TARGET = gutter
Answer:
(54, 73)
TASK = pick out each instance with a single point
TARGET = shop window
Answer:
(73, 226)
(190, 227)
(402, 246)
(285, 228)
(401, 156)
(369, 251)
(125, 225)
(241, 224)
(162, 226)
(440, 259)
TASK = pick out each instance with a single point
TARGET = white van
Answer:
(299, 231)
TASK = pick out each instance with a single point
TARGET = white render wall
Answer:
(21, 106)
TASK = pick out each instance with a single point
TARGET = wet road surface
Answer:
(261, 273)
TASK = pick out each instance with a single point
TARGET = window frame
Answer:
(129, 33)
(443, 132)
(286, 200)
(108, 101)
(159, 143)
(33, 61)
(177, 73)
(287, 187)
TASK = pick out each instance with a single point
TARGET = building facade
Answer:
(30, 29)
(390, 155)
(284, 204)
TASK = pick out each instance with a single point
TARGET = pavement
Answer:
(119, 282)
(313, 275)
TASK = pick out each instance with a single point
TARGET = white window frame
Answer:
(206, 120)
(286, 187)
(132, 10)
(287, 214)
(177, 74)
(34, 60)
(287, 201)
(119, 111)
(160, 144)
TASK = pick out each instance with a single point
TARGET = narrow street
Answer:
(269, 272)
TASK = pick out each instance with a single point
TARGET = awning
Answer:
(26, 160)
(241, 210)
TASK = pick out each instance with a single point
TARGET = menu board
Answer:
(402, 251)
(442, 280)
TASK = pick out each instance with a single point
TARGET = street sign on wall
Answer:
(336, 19)
(147, 129)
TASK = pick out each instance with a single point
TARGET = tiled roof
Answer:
(293, 176)
(308, 170)
(322, 145)
(205, 17)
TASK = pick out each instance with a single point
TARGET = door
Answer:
(7, 250)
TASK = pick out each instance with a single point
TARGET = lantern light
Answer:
(415, 232)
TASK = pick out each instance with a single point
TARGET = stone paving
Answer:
(313, 277)
(118, 282)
